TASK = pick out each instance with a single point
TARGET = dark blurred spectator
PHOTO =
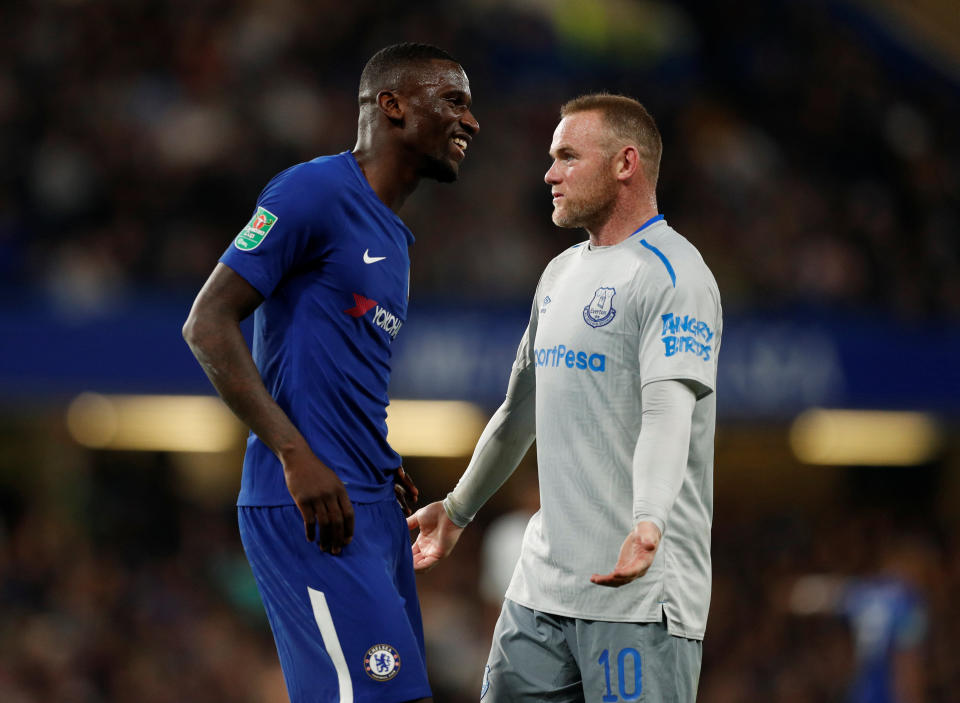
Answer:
(820, 176)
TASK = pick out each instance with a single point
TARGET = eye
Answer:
(458, 103)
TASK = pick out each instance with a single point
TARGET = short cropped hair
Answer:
(391, 67)
(628, 122)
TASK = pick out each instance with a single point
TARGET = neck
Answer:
(391, 176)
(621, 223)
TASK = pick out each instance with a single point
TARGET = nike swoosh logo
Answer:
(367, 259)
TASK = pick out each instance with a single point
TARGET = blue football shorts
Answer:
(347, 627)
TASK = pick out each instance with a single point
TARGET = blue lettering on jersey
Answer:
(560, 356)
(686, 334)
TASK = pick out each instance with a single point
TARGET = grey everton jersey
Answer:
(605, 322)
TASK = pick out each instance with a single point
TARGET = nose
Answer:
(469, 123)
(551, 177)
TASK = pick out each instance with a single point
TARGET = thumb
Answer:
(413, 522)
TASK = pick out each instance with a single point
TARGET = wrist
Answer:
(291, 452)
(453, 512)
(649, 528)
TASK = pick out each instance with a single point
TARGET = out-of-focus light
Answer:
(814, 594)
(864, 437)
(168, 423)
(440, 428)
(204, 424)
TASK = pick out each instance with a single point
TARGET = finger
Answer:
(335, 521)
(309, 522)
(346, 508)
(614, 579)
(323, 527)
(401, 493)
(423, 563)
(409, 484)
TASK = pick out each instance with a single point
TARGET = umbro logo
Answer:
(367, 259)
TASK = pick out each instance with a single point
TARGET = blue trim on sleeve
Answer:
(664, 259)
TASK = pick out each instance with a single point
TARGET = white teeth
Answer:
(460, 142)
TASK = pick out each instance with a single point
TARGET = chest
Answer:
(588, 303)
(587, 319)
(365, 256)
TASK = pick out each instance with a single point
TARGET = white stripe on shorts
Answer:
(332, 643)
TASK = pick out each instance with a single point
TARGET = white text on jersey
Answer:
(387, 321)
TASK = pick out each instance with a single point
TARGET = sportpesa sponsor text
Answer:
(571, 358)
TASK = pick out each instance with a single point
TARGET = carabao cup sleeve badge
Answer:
(381, 662)
(600, 311)
(256, 230)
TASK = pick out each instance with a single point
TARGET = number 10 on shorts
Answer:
(628, 691)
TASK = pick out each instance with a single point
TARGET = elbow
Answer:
(192, 330)
(189, 330)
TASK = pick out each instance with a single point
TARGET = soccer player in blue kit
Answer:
(324, 266)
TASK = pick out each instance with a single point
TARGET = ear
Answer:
(392, 105)
(627, 163)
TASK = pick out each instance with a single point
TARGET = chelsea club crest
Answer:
(600, 311)
(382, 662)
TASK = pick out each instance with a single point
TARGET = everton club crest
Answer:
(600, 311)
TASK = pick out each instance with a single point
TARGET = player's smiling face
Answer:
(440, 120)
(581, 178)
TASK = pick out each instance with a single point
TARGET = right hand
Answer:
(437, 538)
(322, 500)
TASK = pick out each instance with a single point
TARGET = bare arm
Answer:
(212, 331)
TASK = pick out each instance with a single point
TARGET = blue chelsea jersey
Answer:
(332, 262)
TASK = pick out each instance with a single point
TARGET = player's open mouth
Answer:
(460, 144)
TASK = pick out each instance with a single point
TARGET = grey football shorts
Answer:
(537, 656)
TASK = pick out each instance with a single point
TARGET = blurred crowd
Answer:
(115, 587)
(811, 162)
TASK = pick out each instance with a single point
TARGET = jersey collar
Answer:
(655, 218)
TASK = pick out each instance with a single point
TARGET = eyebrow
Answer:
(458, 93)
(561, 151)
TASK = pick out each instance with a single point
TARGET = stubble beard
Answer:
(589, 210)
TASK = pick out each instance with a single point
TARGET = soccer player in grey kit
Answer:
(615, 377)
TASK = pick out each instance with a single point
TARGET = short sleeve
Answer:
(279, 236)
(680, 328)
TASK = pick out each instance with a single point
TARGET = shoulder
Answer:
(670, 260)
(306, 183)
(563, 259)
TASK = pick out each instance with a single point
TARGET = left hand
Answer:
(405, 490)
(636, 556)
(438, 536)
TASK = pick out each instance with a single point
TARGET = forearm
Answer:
(219, 346)
(503, 443)
(660, 457)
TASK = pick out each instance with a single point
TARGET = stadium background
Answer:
(811, 153)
